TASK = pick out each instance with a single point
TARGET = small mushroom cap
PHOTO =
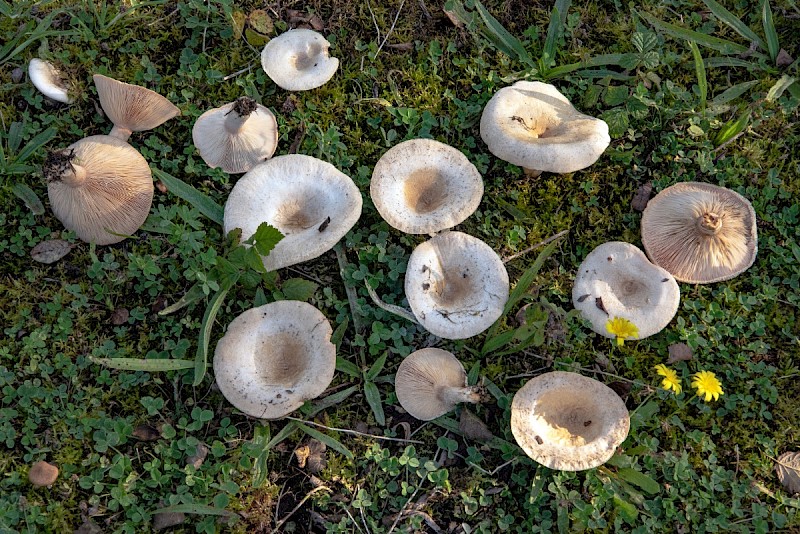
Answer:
(234, 142)
(423, 186)
(701, 233)
(133, 107)
(274, 358)
(298, 60)
(113, 197)
(43, 474)
(46, 78)
(311, 202)
(424, 381)
(533, 125)
(567, 421)
(456, 285)
(627, 286)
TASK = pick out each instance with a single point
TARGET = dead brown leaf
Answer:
(261, 22)
(50, 251)
(783, 58)
(679, 352)
(454, 19)
(402, 46)
(198, 457)
(316, 23)
(120, 316)
(473, 427)
(642, 196)
(311, 456)
(788, 468)
(146, 433)
(164, 520)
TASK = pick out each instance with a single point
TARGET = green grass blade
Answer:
(720, 45)
(14, 136)
(734, 22)
(596, 61)
(780, 86)
(194, 294)
(636, 478)
(509, 44)
(330, 400)
(35, 144)
(722, 61)
(373, 396)
(377, 367)
(201, 509)
(201, 358)
(29, 197)
(199, 200)
(338, 334)
(734, 91)
(347, 367)
(558, 18)
(150, 365)
(769, 31)
(261, 437)
(700, 71)
(497, 342)
(332, 443)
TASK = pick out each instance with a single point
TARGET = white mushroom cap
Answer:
(456, 285)
(567, 421)
(298, 60)
(46, 78)
(422, 186)
(628, 286)
(701, 233)
(274, 358)
(311, 202)
(236, 136)
(430, 382)
(132, 108)
(533, 125)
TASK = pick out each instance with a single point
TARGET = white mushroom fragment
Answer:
(456, 285)
(298, 60)
(701, 233)
(132, 108)
(531, 124)
(423, 186)
(616, 280)
(46, 78)
(274, 358)
(567, 421)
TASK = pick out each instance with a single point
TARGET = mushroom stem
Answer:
(239, 113)
(532, 173)
(709, 223)
(123, 134)
(453, 395)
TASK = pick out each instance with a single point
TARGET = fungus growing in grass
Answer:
(99, 187)
(701, 233)
(47, 79)
(132, 108)
(311, 202)
(43, 474)
(422, 186)
(456, 285)
(531, 124)
(298, 60)
(430, 382)
(567, 421)
(274, 358)
(236, 136)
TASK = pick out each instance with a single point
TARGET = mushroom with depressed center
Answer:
(423, 186)
(132, 108)
(616, 280)
(531, 124)
(567, 421)
(430, 382)
(701, 233)
(47, 79)
(275, 357)
(298, 60)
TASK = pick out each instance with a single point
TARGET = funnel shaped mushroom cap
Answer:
(46, 78)
(567, 421)
(311, 202)
(628, 286)
(531, 124)
(422, 186)
(701, 233)
(133, 107)
(298, 60)
(456, 285)
(235, 137)
(106, 189)
(274, 358)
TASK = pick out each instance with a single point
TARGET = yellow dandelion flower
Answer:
(706, 383)
(671, 380)
(622, 328)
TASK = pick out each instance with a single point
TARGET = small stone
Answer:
(17, 75)
(679, 352)
(642, 196)
(146, 433)
(473, 427)
(120, 316)
(198, 457)
(43, 474)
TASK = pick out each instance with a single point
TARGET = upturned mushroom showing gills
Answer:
(567, 421)
(422, 186)
(46, 78)
(274, 358)
(430, 382)
(100, 187)
(311, 202)
(616, 280)
(456, 285)
(701, 233)
(298, 60)
(531, 124)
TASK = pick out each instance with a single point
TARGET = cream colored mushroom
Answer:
(298, 60)
(43, 474)
(430, 382)
(701, 233)
(422, 186)
(567, 421)
(46, 78)
(100, 187)
(275, 357)
(132, 108)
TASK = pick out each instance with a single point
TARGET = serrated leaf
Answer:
(50, 251)
(332, 443)
(788, 469)
(617, 120)
(641, 480)
(616, 95)
(204, 203)
(143, 364)
(643, 414)
(298, 289)
(373, 396)
(265, 238)
(27, 195)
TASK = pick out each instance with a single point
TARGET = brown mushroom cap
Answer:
(99, 187)
(43, 474)
(132, 108)
(700, 233)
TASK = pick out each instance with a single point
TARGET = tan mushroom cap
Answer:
(98, 187)
(236, 136)
(628, 286)
(298, 60)
(43, 474)
(46, 78)
(132, 108)
(531, 124)
(430, 382)
(567, 421)
(274, 358)
(311, 202)
(701, 233)
(422, 186)
(456, 285)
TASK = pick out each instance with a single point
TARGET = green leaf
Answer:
(780, 86)
(626, 510)
(732, 128)
(338, 334)
(373, 396)
(641, 480)
(600, 60)
(35, 144)
(201, 358)
(734, 91)
(506, 42)
(194, 294)
(195, 509)
(154, 365)
(769, 31)
(721, 45)
(376, 368)
(700, 71)
(347, 367)
(261, 437)
(327, 402)
(265, 238)
(616, 95)
(199, 200)
(734, 22)
(527, 278)
(286, 432)
(29, 197)
(643, 414)
(327, 440)
(722, 61)
(298, 289)
(617, 120)
(537, 485)
(497, 342)
(558, 18)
